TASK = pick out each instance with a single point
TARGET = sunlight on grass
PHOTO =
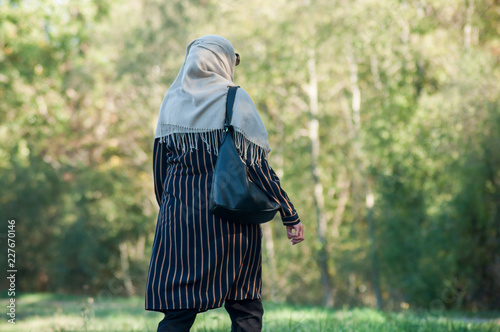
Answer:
(62, 313)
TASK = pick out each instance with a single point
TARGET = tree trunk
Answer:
(343, 198)
(267, 228)
(271, 261)
(316, 173)
(127, 280)
(358, 151)
(468, 23)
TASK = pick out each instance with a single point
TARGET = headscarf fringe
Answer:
(212, 140)
(248, 149)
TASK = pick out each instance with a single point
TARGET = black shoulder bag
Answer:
(233, 195)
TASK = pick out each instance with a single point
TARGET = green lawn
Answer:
(50, 312)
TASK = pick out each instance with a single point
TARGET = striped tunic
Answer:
(199, 260)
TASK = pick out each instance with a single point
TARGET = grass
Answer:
(53, 312)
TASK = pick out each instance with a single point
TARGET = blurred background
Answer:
(383, 116)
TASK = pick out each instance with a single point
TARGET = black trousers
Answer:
(246, 316)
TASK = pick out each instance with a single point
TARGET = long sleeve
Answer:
(265, 177)
(159, 168)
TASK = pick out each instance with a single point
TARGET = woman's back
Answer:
(200, 261)
(199, 258)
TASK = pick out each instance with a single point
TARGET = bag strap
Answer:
(229, 106)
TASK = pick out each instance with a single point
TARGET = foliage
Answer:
(81, 83)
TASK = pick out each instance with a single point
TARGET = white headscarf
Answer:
(196, 101)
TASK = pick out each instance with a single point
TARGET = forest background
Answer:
(383, 116)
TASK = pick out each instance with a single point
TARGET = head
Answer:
(210, 55)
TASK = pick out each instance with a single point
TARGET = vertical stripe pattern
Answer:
(198, 260)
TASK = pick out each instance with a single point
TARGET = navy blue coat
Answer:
(199, 260)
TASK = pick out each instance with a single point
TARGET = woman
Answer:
(200, 261)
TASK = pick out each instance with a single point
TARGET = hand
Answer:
(295, 233)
